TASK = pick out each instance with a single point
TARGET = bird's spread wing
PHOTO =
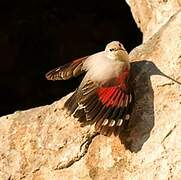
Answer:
(106, 105)
(72, 69)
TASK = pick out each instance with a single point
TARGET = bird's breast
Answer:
(104, 71)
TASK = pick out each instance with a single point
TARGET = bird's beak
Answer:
(122, 49)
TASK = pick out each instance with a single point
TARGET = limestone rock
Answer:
(43, 143)
(40, 140)
(151, 15)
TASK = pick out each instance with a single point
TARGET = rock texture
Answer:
(42, 143)
(151, 15)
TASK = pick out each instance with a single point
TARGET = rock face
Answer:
(151, 15)
(42, 143)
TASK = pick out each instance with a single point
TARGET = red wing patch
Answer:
(110, 96)
(107, 105)
(115, 95)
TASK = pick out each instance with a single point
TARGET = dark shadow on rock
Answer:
(137, 130)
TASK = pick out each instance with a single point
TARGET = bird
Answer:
(104, 97)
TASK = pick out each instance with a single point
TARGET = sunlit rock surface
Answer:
(43, 143)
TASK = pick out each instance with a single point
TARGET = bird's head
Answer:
(116, 51)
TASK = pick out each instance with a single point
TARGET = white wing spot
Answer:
(126, 101)
(127, 116)
(57, 69)
(130, 98)
(81, 106)
(89, 91)
(112, 123)
(119, 122)
(105, 122)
